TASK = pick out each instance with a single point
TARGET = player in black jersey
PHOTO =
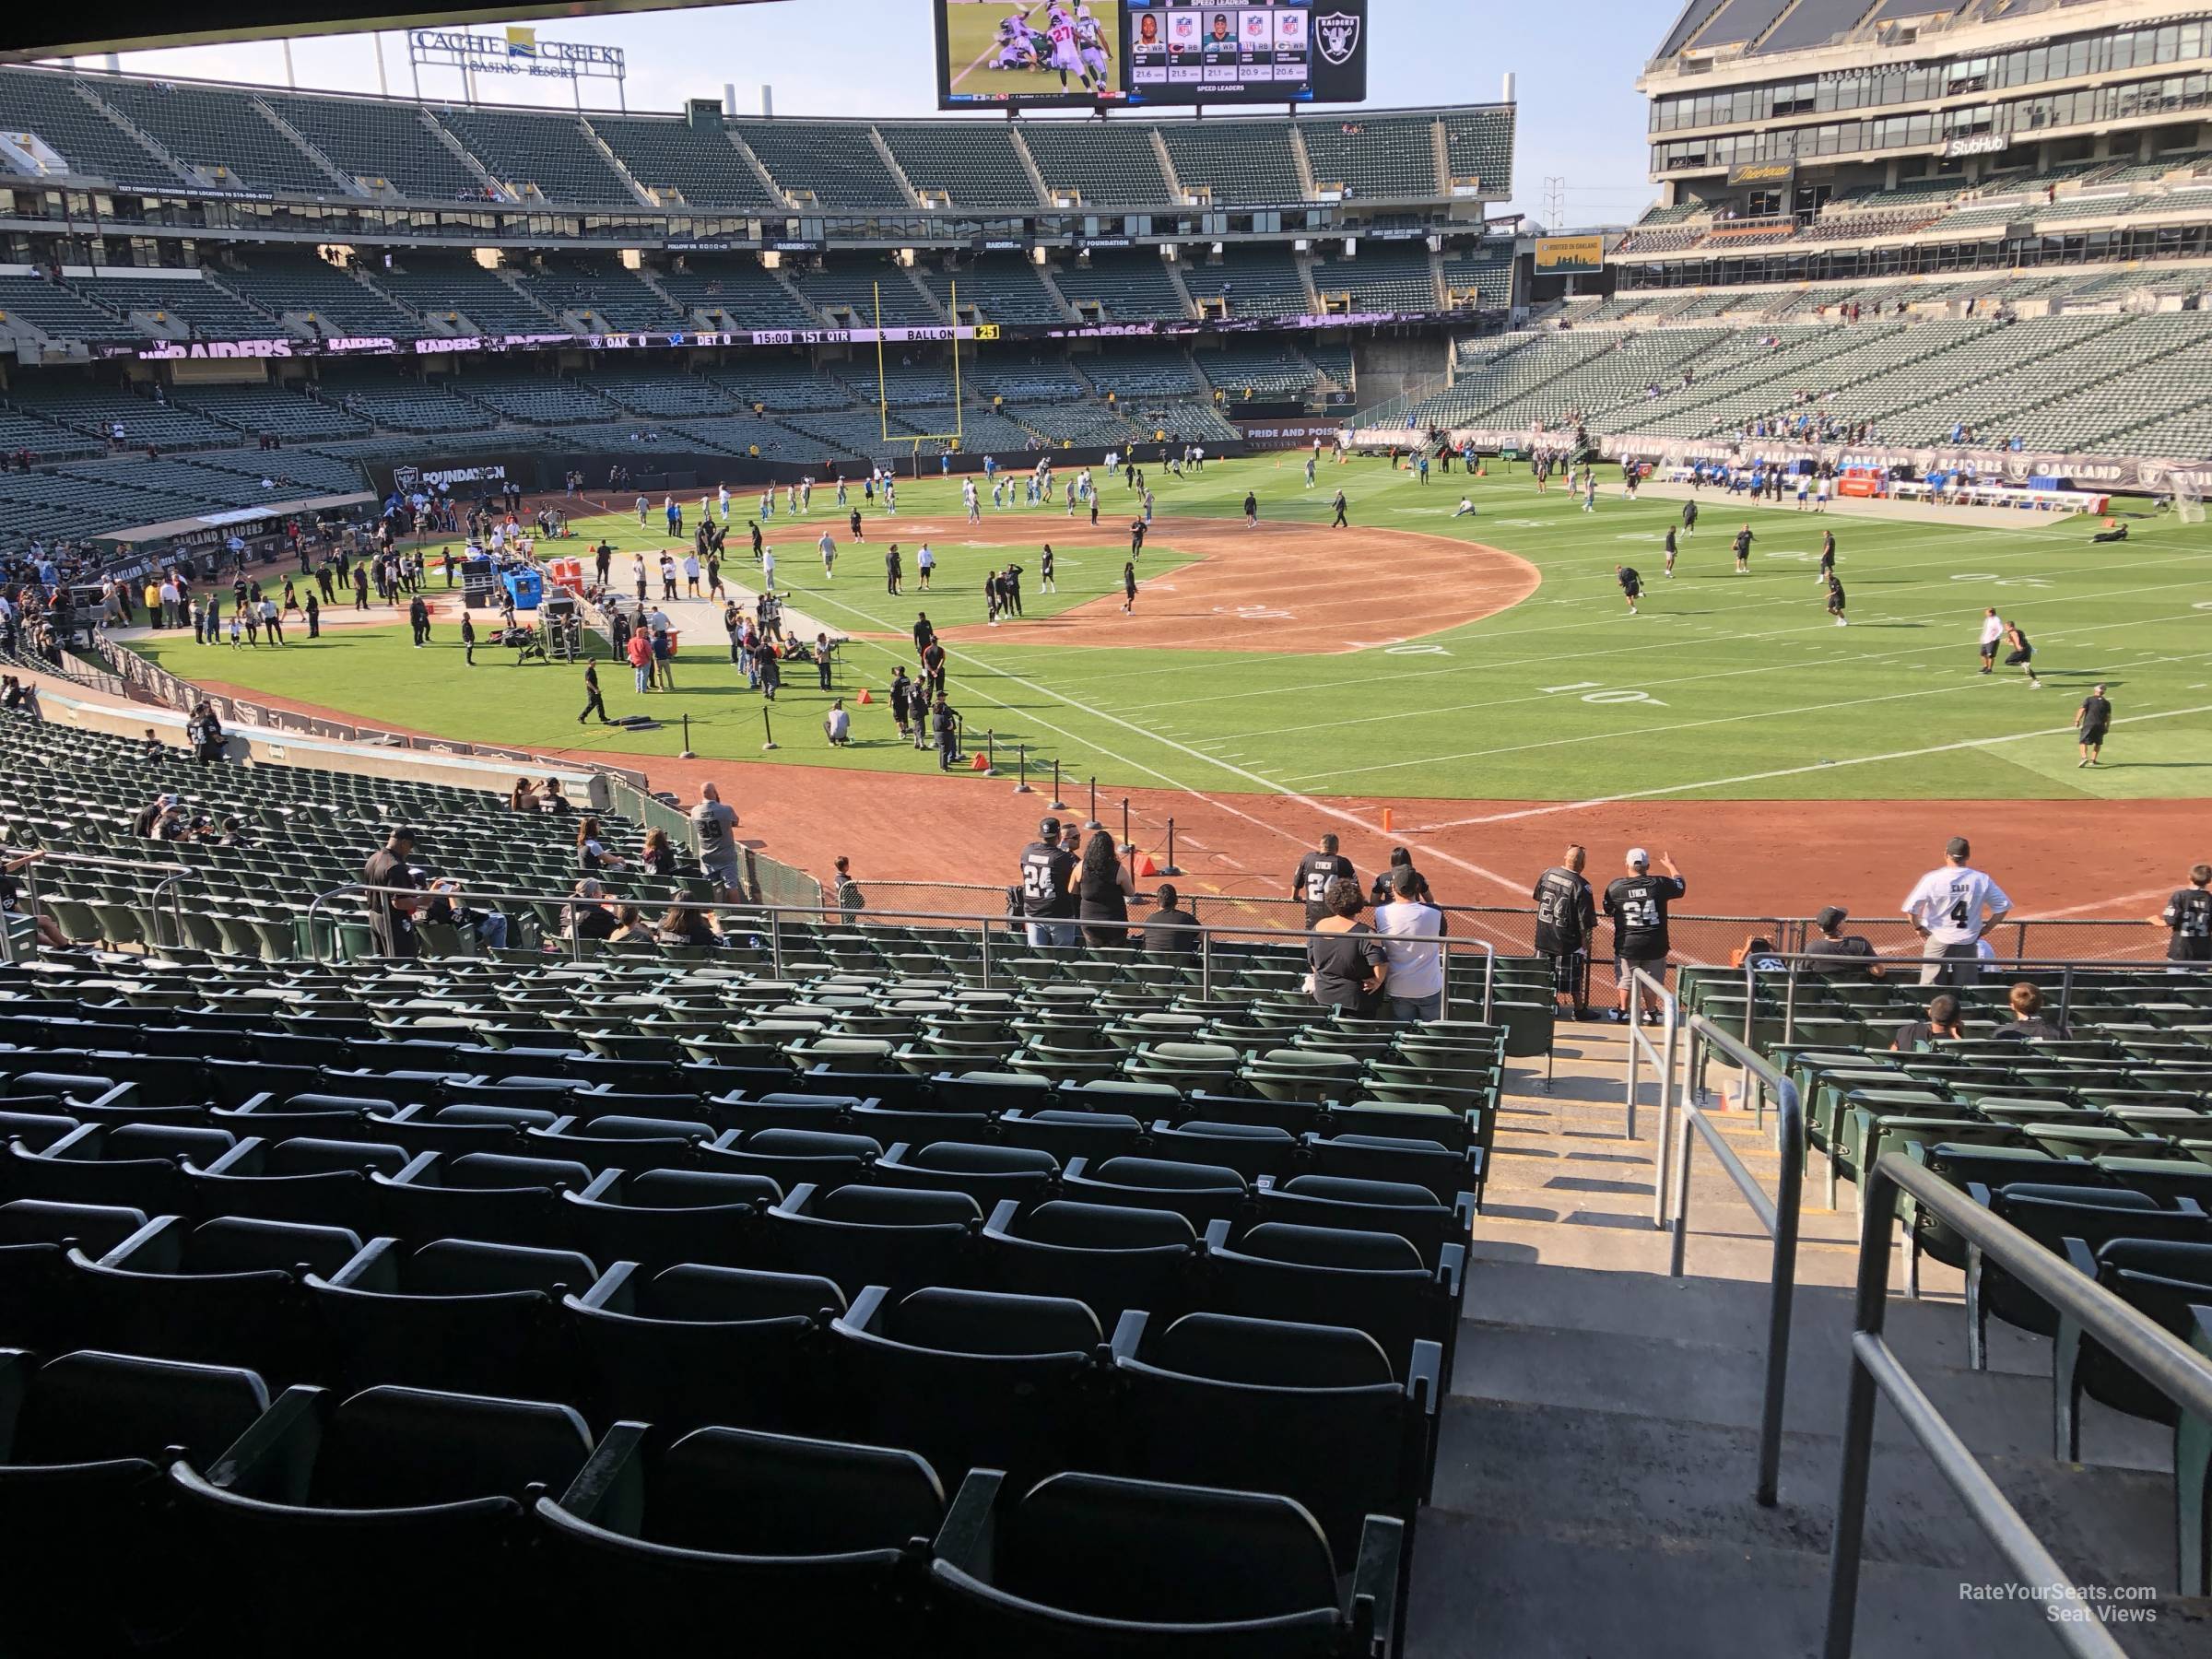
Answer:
(2188, 920)
(1637, 903)
(1670, 552)
(1047, 887)
(1828, 556)
(1316, 872)
(1631, 585)
(1566, 922)
(1835, 598)
(1743, 551)
(2092, 721)
(1690, 518)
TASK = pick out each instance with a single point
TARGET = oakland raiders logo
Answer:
(1339, 33)
(405, 479)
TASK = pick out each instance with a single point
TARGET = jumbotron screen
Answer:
(1082, 52)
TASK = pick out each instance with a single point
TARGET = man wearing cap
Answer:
(390, 917)
(1636, 902)
(1047, 887)
(1566, 920)
(1840, 953)
(1951, 907)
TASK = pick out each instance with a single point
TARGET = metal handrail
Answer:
(1778, 1216)
(172, 873)
(1796, 968)
(2152, 1353)
(1663, 1064)
(776, 914)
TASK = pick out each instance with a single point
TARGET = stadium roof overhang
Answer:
(33, 32)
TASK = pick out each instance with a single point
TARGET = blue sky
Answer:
(1581, 118)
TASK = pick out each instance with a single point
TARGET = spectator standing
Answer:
(848, 897)
(1048, 874)
(2187, 919)
(1346, 956)
(1316, 873)
(1566, 923)
(2091, 722)
(1637, 903)
(1413, 973)
(1951, 907)
(715, 828)
(1103, 889)
(392, 915)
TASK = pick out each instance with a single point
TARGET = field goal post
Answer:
(914, 440)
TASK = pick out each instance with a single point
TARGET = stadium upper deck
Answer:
(236, 160)
(1811, 140)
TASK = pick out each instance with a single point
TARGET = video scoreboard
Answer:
(1102, 53)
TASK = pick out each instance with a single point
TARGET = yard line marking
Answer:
(1550, 808)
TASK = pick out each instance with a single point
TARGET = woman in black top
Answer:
(1102, 890)
(686, 927)
(590, 851)
(659, 857)
(1347, 965)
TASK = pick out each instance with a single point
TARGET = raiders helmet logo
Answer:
(1339, 33)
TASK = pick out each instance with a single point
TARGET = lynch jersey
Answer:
(1638, 906)
(1048, 880)
(1566, 913)
(1316, 872)
(2189, 915)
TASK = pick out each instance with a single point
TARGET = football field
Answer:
(1371, 672)
(972, 48)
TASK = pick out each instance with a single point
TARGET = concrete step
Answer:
(1667, 1482)
(1731, 1312)
(1484, 1588)
(1994, 1412)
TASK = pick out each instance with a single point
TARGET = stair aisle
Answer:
(1599, 1445)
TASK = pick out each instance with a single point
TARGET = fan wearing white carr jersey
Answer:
(1951, 908)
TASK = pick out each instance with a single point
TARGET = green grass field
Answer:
(971, 36)
(1727, 686)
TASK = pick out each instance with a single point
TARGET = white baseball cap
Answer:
(1639, 857)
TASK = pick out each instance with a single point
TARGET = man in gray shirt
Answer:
(715, 829)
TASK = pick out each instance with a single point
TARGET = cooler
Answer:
(525, 586)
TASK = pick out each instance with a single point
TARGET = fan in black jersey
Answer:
(1311, 881)
(1047, 887)
(2187, 919)
(1637, 903)
(1566, 922)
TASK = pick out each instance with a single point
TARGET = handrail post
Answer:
(1871, 1308)
(1206, 962)
(1490, 982)
(775, 941)
(2066, 993)
(1791, 1179)
(1789, 1003)
(1444, 1008)
(982, 928)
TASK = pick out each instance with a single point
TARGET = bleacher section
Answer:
(604, 295)
(95, 412)
(457, 292)
(833, 163)
(404, 405)
(1254, 282)
(1478, 145)
(853, 291)
(226, 138)
(53, 309)
(1367, 157)
(536, 399)
(553, 153)
(998, 289)
(1262, 371)
(1235, 162)
(1113, 164)
(1485, 273)
(735, 294)
(286, 415)
(1133, 372)
(314, 291)
(973, 165)
(777, 386)
(702, 164)
(1127, 286)
(1385, 277)
(384, 144)
(92, 146)
(204, 309)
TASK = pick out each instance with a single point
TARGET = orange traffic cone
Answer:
(980, 763)
(863, 696)
(1145, 866)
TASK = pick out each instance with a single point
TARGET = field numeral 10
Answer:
(1596, 692)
